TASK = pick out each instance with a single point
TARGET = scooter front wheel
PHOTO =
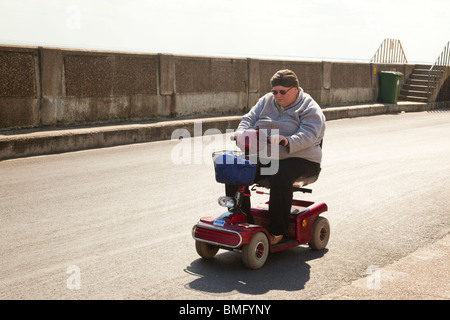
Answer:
(255, 253)
(206, 250)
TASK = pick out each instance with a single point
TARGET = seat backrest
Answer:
(304, 181)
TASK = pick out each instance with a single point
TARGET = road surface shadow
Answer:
(287, 270)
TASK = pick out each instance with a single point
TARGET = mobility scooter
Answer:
(233, 230)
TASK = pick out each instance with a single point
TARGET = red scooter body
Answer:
(233, 232)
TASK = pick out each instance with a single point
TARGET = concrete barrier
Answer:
(33, 142)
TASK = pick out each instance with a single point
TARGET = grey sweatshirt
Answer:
(302, 123)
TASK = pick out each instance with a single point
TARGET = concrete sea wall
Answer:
(48, 87)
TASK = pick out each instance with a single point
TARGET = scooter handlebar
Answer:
(282, 142)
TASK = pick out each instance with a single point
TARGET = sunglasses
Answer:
(282, 92)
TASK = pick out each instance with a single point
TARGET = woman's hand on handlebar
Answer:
(277, 139)
(236, 136)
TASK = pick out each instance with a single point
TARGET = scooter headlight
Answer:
(226, 202)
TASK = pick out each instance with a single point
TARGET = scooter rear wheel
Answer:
(320, 234)
(255, 253)
(206, 250)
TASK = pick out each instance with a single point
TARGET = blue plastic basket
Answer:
(232, 168)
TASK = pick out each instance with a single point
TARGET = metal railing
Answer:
(438, 68)
(390, 51)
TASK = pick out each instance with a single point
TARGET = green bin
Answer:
(389, 86)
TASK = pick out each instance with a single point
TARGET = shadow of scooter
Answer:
(287, 270)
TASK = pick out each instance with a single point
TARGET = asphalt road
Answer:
(116, 223)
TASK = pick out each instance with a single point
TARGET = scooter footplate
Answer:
(217, 236)
(284, 244)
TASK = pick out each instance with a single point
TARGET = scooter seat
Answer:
(304, 181)
(299, 183)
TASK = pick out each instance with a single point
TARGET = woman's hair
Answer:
(286, 78)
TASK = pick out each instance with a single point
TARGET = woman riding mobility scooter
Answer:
(233, 230)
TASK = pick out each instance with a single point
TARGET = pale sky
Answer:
(315, 29)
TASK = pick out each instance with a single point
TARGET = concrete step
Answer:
(402, 97)
(415, 76)
(420, 71)
(415, 87)
(423, 66)
(414, 93)
(419, 82)
(427, 72)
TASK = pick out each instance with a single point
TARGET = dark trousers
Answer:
(281, 191)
